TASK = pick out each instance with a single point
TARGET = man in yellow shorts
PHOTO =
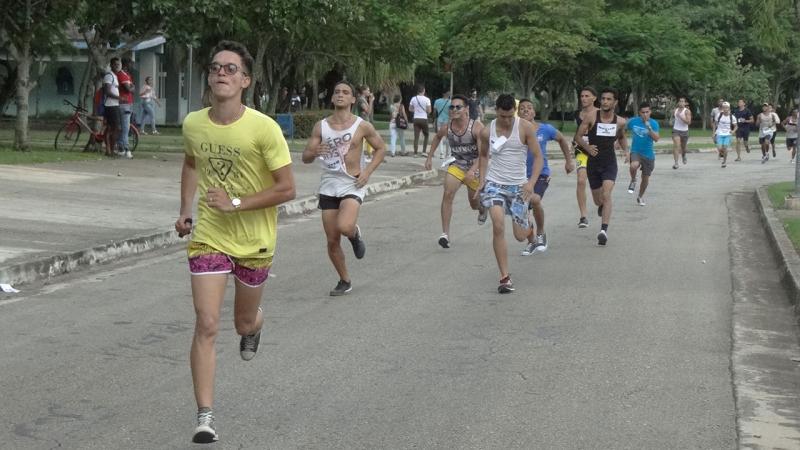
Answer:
(462, 134)
(588, 97)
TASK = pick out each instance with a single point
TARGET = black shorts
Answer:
(791, 142)
(597, 173)
(113, 117)
(743, 133)
(540, 187)
(328, 202)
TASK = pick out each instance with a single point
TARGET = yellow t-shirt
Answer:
(238, 157)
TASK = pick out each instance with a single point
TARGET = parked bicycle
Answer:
(70, 133)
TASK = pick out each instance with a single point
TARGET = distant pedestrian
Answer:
(126, 90)
(336, 142)
(398, 123)
(744, 120)
(715, 113)
(724, 128)
(475, 108)
(682, 117)
(149, 99)
(365, 104)
(420, 106)
(111, 106)
(644, 132)
(238, 160)
(790, 125)
(441, 114)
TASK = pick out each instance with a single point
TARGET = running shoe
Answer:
(128, 154)
(248, 345)
(529, 249)
(444, 241)
(675, 166)
(764, 159)
(342, 288)
(640, 201)
(541, 243)
(583, 222)
(359, 247)
(205, 433)
(747, 149)
(506, 286)
(724, 165)
(773, 153)
(738, 159)
(602, 237)
(632, 187)
(482, 213)
(684, 160)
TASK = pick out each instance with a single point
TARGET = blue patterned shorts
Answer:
(509, 197)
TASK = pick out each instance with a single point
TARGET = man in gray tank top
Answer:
(462, 134)
(505, 187)
(336, 143)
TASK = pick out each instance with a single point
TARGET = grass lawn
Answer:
(778, 191)
(777, 196)
(42, 146)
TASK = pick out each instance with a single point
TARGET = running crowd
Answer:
(239, 162)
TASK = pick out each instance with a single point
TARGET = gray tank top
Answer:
(463, 147)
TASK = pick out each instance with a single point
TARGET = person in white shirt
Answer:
(420, 106)
(724, 129)
(680, 130)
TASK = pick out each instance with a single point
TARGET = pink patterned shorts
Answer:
(204, 259)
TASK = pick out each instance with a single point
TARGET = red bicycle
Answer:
(70, 133)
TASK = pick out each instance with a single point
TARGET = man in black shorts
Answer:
(604, 130)
(744, 119)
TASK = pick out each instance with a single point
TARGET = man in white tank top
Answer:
(505, 187)
(336, 143)
(682, 117)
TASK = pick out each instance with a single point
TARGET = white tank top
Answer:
(338, 144)
(507, 163)
(680, 124)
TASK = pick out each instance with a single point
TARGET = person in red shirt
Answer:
(126, 88)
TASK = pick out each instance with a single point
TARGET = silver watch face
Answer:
(237, 202)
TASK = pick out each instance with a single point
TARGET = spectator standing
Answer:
(126, 89)
(111, 106)
(149, 99)
(397, 130)
(475, 108)
(441, 114)
(420, 105)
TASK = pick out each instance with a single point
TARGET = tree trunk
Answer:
(314, 85)
(24, 86)
(258, 75)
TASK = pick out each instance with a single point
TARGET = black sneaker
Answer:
(632, 187)
(506, 286)
(205, 433)
(444, 241)
(342, 288)
(583, 222)
(602, 237)
(248, 346)
(359, 248)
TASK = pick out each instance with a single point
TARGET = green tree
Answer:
(30, 30)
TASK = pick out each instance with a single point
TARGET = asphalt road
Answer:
(627, 346)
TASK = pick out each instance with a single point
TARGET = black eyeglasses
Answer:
(456, 107)
(230, 68)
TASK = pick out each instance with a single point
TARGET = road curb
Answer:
(51, 266)
(788, 259)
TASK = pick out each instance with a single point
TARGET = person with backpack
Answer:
(441, 114)
(420, 106)
(398, 123)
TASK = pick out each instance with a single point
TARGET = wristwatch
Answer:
(237, 202)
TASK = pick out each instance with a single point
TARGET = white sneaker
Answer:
(640, 201)
(128, 154)
(541, 243)
(205, 433)
(444, 241)
(602, 237)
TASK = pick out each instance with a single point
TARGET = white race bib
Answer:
(607, 129)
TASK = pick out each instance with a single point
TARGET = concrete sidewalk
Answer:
(59, 216)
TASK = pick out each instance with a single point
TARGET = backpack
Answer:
(400, 119)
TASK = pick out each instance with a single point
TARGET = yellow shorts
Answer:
(457, 172)
(581, 159)
(367, 148)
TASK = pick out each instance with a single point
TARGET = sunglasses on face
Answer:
(230, 68)
(456, 107)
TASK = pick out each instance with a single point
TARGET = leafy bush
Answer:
(304, 122)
